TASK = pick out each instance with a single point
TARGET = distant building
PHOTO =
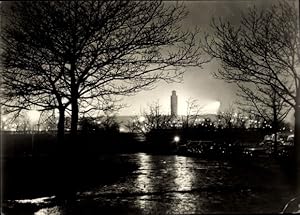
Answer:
(174, 104)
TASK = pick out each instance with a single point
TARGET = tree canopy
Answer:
(263, 50)
(58, 55)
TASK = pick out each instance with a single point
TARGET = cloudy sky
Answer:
(198, 83)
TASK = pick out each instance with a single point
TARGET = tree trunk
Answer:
(61, 147)
(62, 182)
(297, 124)
(297, 132)
(74, 117)
(275, 130)
(296, 154)
(61, 126)
(74, 102)
(275, 149)
(73, 142)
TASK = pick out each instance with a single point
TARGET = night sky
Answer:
(198, 83)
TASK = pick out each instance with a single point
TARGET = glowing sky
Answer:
(197, 83)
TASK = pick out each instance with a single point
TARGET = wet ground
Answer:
(169, 184)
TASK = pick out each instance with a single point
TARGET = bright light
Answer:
(176, 139)
(33, 115)
(35, 201)
(68, 66)
(45, 211)
(211, 108)
(142, 119)
(122, 129)
(4, 118)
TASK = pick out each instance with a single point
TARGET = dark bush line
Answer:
(93, 143)
(22, 145)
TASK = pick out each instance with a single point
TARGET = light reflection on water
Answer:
(161, 183)
(144, 181)
(35, 201)
(184, 180)
(184, 176)
(178, 185)
(49, 211)
(161, 179)
(156, 175)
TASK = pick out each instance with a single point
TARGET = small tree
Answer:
(48, 121)
(134, 126)
(154, 119)
(109, 122)
(102, 123)
(22, 123)
(193, 112)
(150, 119)
(226, 118)
(266, 104)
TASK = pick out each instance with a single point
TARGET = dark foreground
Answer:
(158, 184)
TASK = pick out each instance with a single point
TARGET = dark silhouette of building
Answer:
(174, 104)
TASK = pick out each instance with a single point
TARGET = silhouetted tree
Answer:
(151, 119)
(48, 121)
(155, 119)
(102, 123)
(21, 123)
(265, 103)
(226, 118)
(59, 55)
(263, 50)
(133, 125)
(240, 120)
(109, 122)
(101, 116)
(193, 111)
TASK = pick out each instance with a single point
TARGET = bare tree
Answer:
(20, 123)
(61, 55)
(226, 118)
(133, 125)
(102, 115)
(264, 101)
(263, 50)
(47, 121)
(107, 122)
(23, 124)
(193, 111)
(154, 119)
(150, 119)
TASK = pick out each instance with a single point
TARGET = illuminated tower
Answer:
(174, 104)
